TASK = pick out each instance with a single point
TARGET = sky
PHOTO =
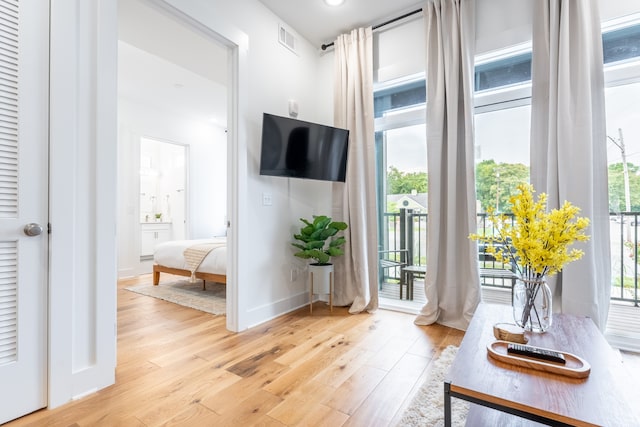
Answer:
(623, 111)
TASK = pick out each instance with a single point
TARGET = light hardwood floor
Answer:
(178, 366)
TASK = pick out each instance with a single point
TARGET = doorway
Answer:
(163, 194)
(233, 47)
(174, 86)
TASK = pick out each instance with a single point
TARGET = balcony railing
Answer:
(407, 230)
(624, 257)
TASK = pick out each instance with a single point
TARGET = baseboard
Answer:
(264, 313)
(126, 273)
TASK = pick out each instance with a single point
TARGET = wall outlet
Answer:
(294, 274)
(267, 199)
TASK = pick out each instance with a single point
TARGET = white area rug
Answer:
(183, 292)
(427, 407)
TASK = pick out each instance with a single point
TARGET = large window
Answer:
(502, 132)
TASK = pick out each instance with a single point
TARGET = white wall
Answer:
(272, 77)
(207, 179)
(277, 75)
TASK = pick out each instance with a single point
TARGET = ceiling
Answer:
(155, 67)
(319, 23)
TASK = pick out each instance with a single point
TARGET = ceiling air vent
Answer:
(286, 38)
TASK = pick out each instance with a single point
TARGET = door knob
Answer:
(33, 229)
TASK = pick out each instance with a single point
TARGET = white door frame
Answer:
(82, 197)
(83, 187)
(237, 42)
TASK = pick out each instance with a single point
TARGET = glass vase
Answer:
(532, 304)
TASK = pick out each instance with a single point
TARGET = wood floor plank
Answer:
(252, 411)
(230, 398)
(249, 366)
(184, 395)
(390, 394)
(308, 350)
(181, 367)
(344, 367)
(183, 349)
(430, 339)
(350, 395)
(307, 398)
(166, 385)
(286, 383)
(322, 416)
(192, 415)
(393, 351)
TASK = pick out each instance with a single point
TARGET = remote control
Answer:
(535, 352)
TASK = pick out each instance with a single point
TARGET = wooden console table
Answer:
(535, 395)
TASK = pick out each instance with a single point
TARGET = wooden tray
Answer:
(576, 367)
(509, 332)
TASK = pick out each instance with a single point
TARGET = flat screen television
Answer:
(298, 149)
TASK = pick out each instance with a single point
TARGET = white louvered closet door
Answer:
(24, 75)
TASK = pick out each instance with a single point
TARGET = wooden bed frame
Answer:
(157, 269)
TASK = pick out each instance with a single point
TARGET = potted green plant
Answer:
(319, 241)
(315, 236)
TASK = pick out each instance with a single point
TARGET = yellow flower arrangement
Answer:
(538, 241)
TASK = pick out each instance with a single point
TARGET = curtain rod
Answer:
(390, 21)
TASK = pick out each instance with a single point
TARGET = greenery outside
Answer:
(616, 187)
(495, 183)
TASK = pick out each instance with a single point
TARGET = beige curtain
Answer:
(356, 276)
(568, 142)
(452, 283)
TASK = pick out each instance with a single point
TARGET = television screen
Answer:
(297, 149)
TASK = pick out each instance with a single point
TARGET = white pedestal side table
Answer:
(321, 280)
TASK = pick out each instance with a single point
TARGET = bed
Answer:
(169, 257)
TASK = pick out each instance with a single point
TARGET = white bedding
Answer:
(171, 254)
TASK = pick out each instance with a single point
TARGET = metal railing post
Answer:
(403, 232)
(409, 239)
